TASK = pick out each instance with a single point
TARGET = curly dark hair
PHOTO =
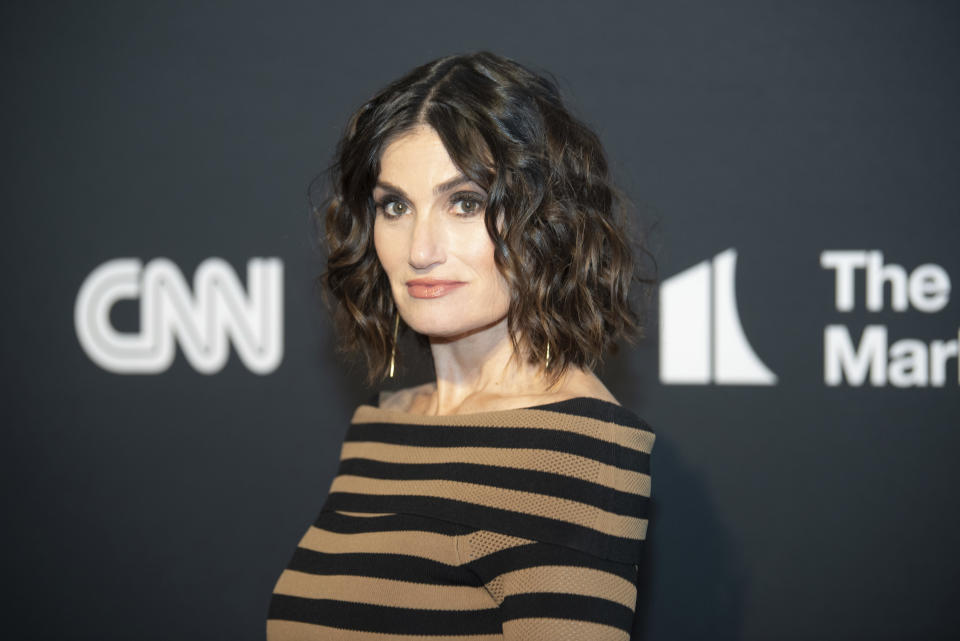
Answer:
(561, 237)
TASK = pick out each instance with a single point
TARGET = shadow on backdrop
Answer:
(696, 582)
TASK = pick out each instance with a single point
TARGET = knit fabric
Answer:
(500, 525)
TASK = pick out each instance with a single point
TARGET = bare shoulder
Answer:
(585, 383)
(404, 399)
(576, 383)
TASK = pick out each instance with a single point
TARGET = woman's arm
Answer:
(552, 592)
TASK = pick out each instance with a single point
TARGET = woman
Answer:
(507, 499)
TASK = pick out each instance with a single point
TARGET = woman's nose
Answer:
(426, 242)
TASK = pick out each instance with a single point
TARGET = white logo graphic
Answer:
(701, 339)
(202, 325)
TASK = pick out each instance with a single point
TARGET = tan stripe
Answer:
(570, 580)
(638, 531)
(632, 437)
(385, 592)
(428, 545)
(514, 500)
(540, 629)
(571, 465)
(279, 630)
(365, 513)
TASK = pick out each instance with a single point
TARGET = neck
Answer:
(478, 365)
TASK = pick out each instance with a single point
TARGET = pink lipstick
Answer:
(431, 287)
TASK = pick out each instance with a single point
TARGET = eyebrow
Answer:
(440, 189)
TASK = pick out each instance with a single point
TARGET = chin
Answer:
(439, 328)
(449, 326)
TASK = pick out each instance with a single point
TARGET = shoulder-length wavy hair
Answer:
(558, 225)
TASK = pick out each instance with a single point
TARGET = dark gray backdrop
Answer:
(164, 506)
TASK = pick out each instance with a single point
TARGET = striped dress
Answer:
(507, 524)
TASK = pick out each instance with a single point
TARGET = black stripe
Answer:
(400, 567)
(546, 483)
(567, 606)
(599, 409)
(532, 555)
(347, 524)
(380, 618)
(504, 437)
(507, 521)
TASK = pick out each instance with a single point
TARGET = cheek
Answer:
(476, 249)
(385, 248)
(484, 263)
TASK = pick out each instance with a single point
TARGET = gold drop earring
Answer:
(548, 356)
(393, 353)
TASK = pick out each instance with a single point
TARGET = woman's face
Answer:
(431, 239)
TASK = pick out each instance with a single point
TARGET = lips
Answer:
(431, 287)
(430, 282)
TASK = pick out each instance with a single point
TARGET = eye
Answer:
(399, 207)
(470, 204)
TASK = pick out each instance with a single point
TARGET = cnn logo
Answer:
(203, 321)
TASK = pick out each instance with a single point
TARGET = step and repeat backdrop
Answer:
(173, 401)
